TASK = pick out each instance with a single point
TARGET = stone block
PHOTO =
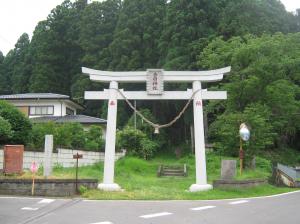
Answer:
(48, 155)
(228, 169)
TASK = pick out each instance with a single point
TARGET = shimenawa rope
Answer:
(154, 125)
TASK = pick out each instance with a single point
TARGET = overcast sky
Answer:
(20, 16)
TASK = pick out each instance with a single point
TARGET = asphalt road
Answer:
(279, 209)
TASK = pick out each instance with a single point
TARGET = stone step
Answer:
(172, 174)
(174, 171)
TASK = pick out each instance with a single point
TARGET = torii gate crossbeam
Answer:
(112, 95)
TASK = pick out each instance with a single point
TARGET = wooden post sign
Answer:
(77, 156)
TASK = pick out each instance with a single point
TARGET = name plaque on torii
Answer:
(155, 79)
(155, 82)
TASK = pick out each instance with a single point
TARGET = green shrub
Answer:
(94, 138)
(63, 136)
(37, 136)
(91, 146)
(225, 130)
(5, 130)
(68, 135)
(140, 124)
(148, 148)
(77, 135)
(136, 143)
(20, 125)
(82, 189)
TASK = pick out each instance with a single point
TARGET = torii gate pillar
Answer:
(110, 141)
(200, 163)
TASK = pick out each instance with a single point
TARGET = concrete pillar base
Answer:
(200, 187)
(109, 187)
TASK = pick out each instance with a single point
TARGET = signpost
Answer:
(34, 167)
(77, 156)
(155, 79)
(244, 136)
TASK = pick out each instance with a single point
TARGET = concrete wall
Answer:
(63, 157)
(238, 183)
(44, 187)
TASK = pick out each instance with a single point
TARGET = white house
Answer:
(45, 107)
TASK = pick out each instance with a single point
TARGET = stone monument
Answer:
(48, 155)
(228, 169)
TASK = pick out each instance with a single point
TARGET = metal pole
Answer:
(241, 156)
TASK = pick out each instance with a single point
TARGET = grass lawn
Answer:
(138, 178)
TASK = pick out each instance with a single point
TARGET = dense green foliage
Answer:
(5, 130)
(16, 127)
(263, 89)
(68, 135)
(258, 38)
(94, 138)
(136, 143)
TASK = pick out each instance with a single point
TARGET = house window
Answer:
(69, 111)
(41, 110)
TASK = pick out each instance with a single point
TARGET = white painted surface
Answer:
(169, 76)
(155, 215)
(110, 142)
(102, 223)
(29, 209)
(46, 201)
(64, 157)
(200, 164)
(238, 202)
(200, 187)
(203, 208)
(167, 95)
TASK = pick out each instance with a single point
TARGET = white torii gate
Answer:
(155, 79)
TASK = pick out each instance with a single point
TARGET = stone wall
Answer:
(63, 157)
(44, 187)
(238, 183)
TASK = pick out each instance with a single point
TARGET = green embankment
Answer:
(139, 180)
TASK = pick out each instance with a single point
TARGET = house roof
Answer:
(34, 96)
(40, 96)
(83, 119)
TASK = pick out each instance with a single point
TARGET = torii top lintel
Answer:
(169, 76)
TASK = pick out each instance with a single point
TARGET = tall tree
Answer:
(4, 83)
(241, 17)
(135, 44)
(97, 25)
(186, 27)
(56, 51)
(22, 68)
